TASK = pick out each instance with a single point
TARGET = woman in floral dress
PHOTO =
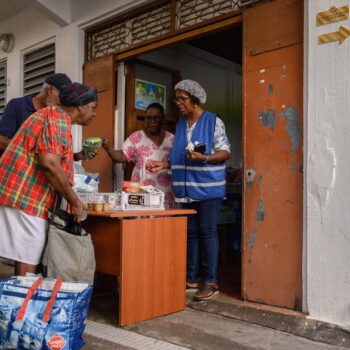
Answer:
(145, 146)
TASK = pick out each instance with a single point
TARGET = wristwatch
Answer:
(206, 160)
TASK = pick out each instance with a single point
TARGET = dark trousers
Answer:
(202, 234)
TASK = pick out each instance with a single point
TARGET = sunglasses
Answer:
(181, 99)
(153, 118)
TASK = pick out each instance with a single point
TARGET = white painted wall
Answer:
(327, 170)
(31, 27)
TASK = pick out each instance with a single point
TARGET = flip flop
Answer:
(213, 291)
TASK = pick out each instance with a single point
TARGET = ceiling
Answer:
(226, 44)
(11, 7)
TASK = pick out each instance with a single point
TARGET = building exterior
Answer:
(321, 220)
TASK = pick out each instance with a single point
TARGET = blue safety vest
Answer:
(194, 179)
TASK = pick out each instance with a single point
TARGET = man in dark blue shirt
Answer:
(19, 109)
(16, 112)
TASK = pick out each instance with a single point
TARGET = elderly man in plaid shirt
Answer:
(37, 163)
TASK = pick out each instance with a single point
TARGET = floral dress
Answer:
(140, 149)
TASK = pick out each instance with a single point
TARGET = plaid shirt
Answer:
(23, 183)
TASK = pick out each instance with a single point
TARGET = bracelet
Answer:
(206, 160)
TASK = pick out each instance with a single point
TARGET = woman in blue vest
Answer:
(199, 182)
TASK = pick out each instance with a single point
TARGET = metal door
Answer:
(273, 157)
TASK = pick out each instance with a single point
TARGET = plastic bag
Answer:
(42, 314)
(85, 183)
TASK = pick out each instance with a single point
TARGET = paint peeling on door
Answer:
(253, 238)
(260, 180)
(270, 89)
(260, 211)
(268, 118)
(293, 127)
(250, 174)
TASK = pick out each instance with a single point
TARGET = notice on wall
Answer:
(339, 35)
(334, 14)
(147, 92)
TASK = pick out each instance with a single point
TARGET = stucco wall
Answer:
(327, 170)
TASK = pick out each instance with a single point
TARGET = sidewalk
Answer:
(189, 329)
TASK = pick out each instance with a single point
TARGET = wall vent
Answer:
(37, 65)
(3, 72)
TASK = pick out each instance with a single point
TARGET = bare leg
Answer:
(21, 268)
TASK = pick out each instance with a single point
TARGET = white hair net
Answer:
(193, 88)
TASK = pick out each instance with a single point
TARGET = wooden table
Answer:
(147, 250)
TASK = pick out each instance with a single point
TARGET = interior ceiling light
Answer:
(6, 42)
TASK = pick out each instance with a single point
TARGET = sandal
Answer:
(205, 292)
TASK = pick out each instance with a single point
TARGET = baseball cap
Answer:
(57, 80)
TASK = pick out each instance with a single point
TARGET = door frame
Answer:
(235, 19)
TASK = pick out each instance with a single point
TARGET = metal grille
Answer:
(37, 65)
(130, 31)
(163, 19)
(3, 68)
(192, 12)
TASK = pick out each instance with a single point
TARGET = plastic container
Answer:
(103, 201)
(143, 201)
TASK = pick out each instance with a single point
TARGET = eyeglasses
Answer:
(181, 99)
(153, 118)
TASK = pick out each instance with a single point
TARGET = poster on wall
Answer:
(147, 92)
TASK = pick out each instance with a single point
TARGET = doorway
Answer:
(270, 69)
(218, 68)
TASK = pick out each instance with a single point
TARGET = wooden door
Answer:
(101, 73)
(273, 156)
(134, 116)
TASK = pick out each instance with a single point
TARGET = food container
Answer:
(101, 201)
(91, 145)
(142, 201)
(113, 201)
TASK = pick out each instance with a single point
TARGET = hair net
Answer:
(193, 88)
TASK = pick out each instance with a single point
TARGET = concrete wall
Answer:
(327, 170)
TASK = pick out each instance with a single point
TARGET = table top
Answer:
(133, 213)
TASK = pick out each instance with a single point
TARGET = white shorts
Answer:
(22, 236)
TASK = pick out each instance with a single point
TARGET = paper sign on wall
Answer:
(340, 35)
(147, 92)
(334, 14)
